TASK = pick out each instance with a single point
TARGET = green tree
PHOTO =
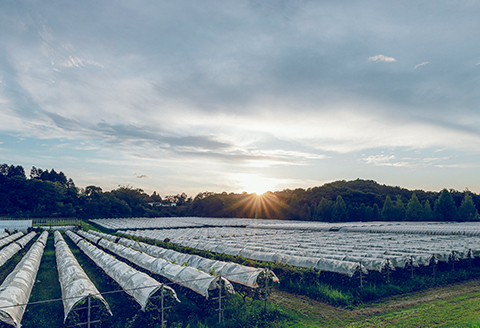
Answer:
(414, 211)
(388, 210)
(427, 211)
(376, 214)
(399, 209)
(325, 208)
(445, 209)
(467, 210)
(340, 212)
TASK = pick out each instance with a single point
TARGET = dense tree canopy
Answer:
(48, 193)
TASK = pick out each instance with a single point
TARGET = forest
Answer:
(48, 193)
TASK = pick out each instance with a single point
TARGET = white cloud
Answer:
(379, 159)
(382, 58)
(74, 61)
(421, 64)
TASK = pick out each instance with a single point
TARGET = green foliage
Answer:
(49, 193)
(427, 211)
(340, 213)
(388, 210)
(467, 211)
(414, 211)
(445, 209)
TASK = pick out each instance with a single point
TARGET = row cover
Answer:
(16, 288)
(374, 251)
(74, 283)
(234, 272)
(330, 265)
(9, 239)
(436, 228)
(426, 228)
(137, 284)
(180, 222)
(12, 249)
(3, 234)
(189, 277)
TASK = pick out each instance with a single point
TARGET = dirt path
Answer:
(312, 313)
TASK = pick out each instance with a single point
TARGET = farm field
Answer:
(327, 278)
(456, 305)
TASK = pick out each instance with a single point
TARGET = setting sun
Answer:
(254, 183)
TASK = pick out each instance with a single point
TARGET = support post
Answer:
(453, 260)
(361, 275)
(266, 291)
(411, 266)
(388, 271)
(162, 293)
(434, 265)
(89, 311)
(220, 310)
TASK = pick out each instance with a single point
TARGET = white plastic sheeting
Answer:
(137, 284)
(93, 238)
(3, 234)
(260, 253)
(194, 279)
(373, 251)
(112, 238)
(16, 288)
(9, 239)
(16, 225)
(25, 239)
(12, 249)
(75, 284)
(234, 272)
(424, 228)
(177, 222)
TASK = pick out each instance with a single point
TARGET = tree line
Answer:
(48, 193)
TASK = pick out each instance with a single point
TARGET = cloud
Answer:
(382, 58)
(240, 84)
(379, 159)
(421, 64)
(143, 176)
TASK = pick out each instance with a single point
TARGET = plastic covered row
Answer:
(192, 278)
(137, 284)
(9, 239)
(12, 249)
(74, 283)
(16, 288)
(376, 249)
(3, 234)
(93, 238)
(234, 272)
(104, 235)
(318, 263)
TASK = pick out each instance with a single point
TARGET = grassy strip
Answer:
(454, 305)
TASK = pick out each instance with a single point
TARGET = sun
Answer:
(254, 183)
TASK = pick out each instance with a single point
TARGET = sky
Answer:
(192, 96)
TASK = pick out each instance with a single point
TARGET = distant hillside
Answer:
(51, 194)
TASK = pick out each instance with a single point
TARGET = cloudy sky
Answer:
(190, 96)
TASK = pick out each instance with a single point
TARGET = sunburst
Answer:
(266, 205)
